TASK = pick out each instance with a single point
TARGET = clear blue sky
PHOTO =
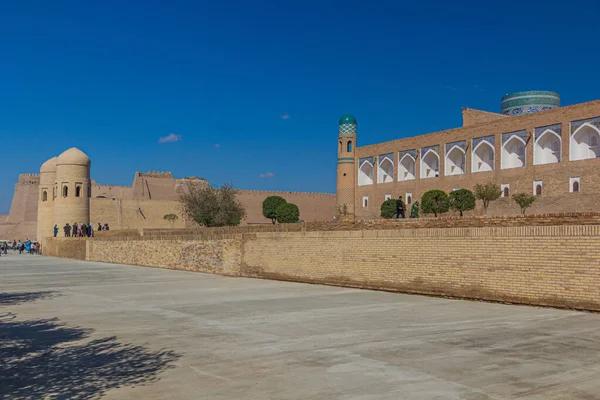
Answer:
(113, 77)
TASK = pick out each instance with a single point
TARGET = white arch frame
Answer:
(447, 164)
(474, 152)
(409, 173)
(365, 181)
(505, 160)
(538, 151)
(423, 170)
(382, 175)
(572, 146)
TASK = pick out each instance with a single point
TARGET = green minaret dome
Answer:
(347, 119)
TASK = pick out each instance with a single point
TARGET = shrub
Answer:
(388, 209)
(435, 202)
(486, 193)
(171, 218)
(287, 213)
(210, 206)
(524, 201)
(270, 205)
(462, 200)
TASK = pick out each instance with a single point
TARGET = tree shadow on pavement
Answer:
(44, 358)
(16, 298)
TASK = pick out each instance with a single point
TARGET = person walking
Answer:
(91, 230)
(99, 226)
(414, 211)
(399, 208)
(55, 230)
(28, 246)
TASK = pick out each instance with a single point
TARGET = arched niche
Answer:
(44, 195)
(365, 172)
(547, 148)
(430, 164)
(584, 142)
(455, 161)
(349, 146)
(482, 159)
(513, 153)
(407, 168)
(385, 172)
(65, 191)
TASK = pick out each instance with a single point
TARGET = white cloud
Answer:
(285, 116)
(217, 146)
(267, 175)
(171, 137)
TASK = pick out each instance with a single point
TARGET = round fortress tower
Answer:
(72, 186)
(346, 170)
(529, 102)
(45, 218)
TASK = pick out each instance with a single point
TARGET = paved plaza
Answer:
(71, 329)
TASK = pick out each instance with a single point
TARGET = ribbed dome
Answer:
(73, 156)
(49, 166)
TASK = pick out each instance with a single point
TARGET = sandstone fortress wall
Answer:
(515, 261)
(141, 205)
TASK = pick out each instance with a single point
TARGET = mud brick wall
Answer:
(541, 265)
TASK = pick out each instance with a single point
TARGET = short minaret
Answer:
(73, 190)
(47, 193)
(346, 167)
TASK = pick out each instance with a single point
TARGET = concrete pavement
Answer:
(88, 330)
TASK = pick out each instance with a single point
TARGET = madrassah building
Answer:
(533, 146)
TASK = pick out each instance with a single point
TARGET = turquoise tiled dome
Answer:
(347, 119)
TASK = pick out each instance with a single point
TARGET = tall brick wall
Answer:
(222, 256)
(21, 221)
(554, 265)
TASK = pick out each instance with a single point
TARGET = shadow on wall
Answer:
(45, 359)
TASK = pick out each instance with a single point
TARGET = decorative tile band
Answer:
(556, 128)
(347, 129)
(592, 121)
(461, 144)
(389, 156)
(521, 134)
(527, 110)
(412, 153)
(435, 148)
(490, 139)
(369, 160)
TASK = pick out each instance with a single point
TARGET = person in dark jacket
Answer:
(55, 230)
(399, 208)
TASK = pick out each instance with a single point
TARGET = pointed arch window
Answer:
(65, 191)
(585, 140)
(44, 196)
(78, 191)
(349, 146)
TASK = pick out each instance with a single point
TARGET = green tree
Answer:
(270, 205)
(524, 201)
(462, 200)
(487, 192)
(435, 202)
(210, 206)
(288, 213)
(388, 209)
(171, 218)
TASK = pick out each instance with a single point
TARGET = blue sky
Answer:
(253, 90)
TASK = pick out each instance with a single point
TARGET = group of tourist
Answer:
(80, 230)
(27, 246)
